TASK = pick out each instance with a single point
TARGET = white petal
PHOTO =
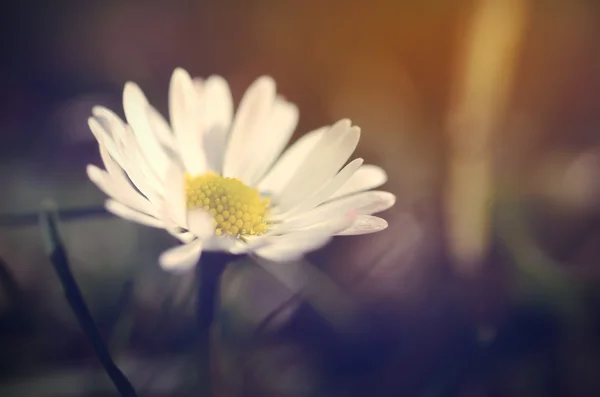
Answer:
(367, 177)
(292, 247)
(327, 191)
(382, 202)
(125, 212)
(364, 203)
(225, 244)
(161, 129)
(121, 183)
(114, 128)
(128, 154)
(174, 202)
(138, 170)
(365, 224)
(187, 123)
(219, 104)
(333, 225)
(322, 163)
(218, 113)
(183, 236)
(136, 108)
(277, 132)
(201, 223)
(320, 230)
(250, 119)
(276, 179)
(110, 123)
(107, 185)
(101, 179)
(119, 189)
(141, 171)
(104, 138)
(182, 257)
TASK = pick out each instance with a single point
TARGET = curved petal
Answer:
(248, 124)
(365, 203)
(277, 131)
(104, 139)
(128, 154)
(328, 189)
(365, 224)
(174, 200)
(219, 103)
(292, 247)
(322, 163)
(322, 229)
(129, 214)
(218, 114)
(117, 177)
(136, 108)
(366, 178)
(276, 179)
(186, 121)
(119, 191)
(182, 257)
(161, 128)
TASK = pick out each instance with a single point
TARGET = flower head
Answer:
(220, 182)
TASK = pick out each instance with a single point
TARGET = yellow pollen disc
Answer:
(237, 209)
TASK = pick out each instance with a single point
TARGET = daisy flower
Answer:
(220, 182)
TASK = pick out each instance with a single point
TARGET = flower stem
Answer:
(58, 256)
(208, 276)
(208, 272)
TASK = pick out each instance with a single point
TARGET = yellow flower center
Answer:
(237, 209)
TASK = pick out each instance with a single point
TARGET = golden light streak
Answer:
(482, 87)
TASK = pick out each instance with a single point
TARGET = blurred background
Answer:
(486, 116)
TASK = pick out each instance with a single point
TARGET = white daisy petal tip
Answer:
(382, 176)
(182, 257)
(98, 111)
(105, 116)
(131, 91)
(365, 224)
(93, 172)
(180, 71)
(380, 202)
(342, 124)
(93, 124)
(266, 81)
(101, 112)
(181, 76)
(389, 200)
(263, 86)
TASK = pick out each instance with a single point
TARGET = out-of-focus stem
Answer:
(58, 256)
(483, 84)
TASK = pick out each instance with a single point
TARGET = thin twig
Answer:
(58, 256)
